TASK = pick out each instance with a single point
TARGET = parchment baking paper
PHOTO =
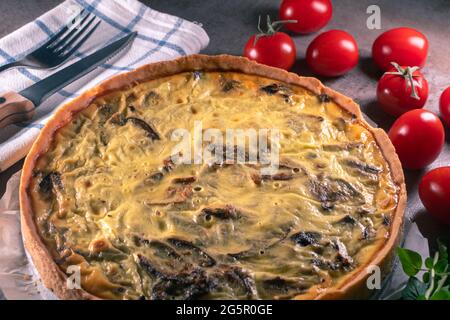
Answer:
(18, 277)
(20, 280)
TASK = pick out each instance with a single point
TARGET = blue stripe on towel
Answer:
(81, 55)
(162, 42)
(122, 28)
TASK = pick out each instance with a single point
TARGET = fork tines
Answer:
(73, 35)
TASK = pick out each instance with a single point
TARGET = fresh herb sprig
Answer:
(435, 282)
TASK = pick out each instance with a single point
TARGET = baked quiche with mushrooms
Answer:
(102, 189)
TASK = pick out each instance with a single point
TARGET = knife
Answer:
(18, 107)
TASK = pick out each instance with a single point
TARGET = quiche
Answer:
(106, 188)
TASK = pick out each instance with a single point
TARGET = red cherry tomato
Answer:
(333, 53)
(272, 47)
(406, 46)
(444, 106)
(395, 93)
(434, 191)
(418, 137)
(311, 15)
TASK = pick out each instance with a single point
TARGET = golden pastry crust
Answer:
(55, 279)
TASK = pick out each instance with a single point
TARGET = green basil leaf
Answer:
(440, 295)
(414, 289)
(411, 261)
(440, 266)
(429, 263)
(426, 277)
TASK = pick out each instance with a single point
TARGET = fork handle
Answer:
(9, 66)
(14, 108)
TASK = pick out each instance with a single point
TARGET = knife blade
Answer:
(16, 107)
(45, 88)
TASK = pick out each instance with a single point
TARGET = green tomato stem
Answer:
(442, 281)
(272, 27)
(408, 75)
(430, 289)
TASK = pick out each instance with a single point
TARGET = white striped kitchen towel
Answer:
(161, 37)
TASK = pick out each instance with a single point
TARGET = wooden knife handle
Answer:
(14, 108)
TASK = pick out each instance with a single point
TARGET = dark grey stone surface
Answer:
(229, 23)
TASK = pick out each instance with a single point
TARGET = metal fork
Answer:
(60, 47)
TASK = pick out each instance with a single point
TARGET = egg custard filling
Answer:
(109, 198)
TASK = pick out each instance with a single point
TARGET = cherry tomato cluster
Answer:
(401, 53)
(331, 54)
(417, 135)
